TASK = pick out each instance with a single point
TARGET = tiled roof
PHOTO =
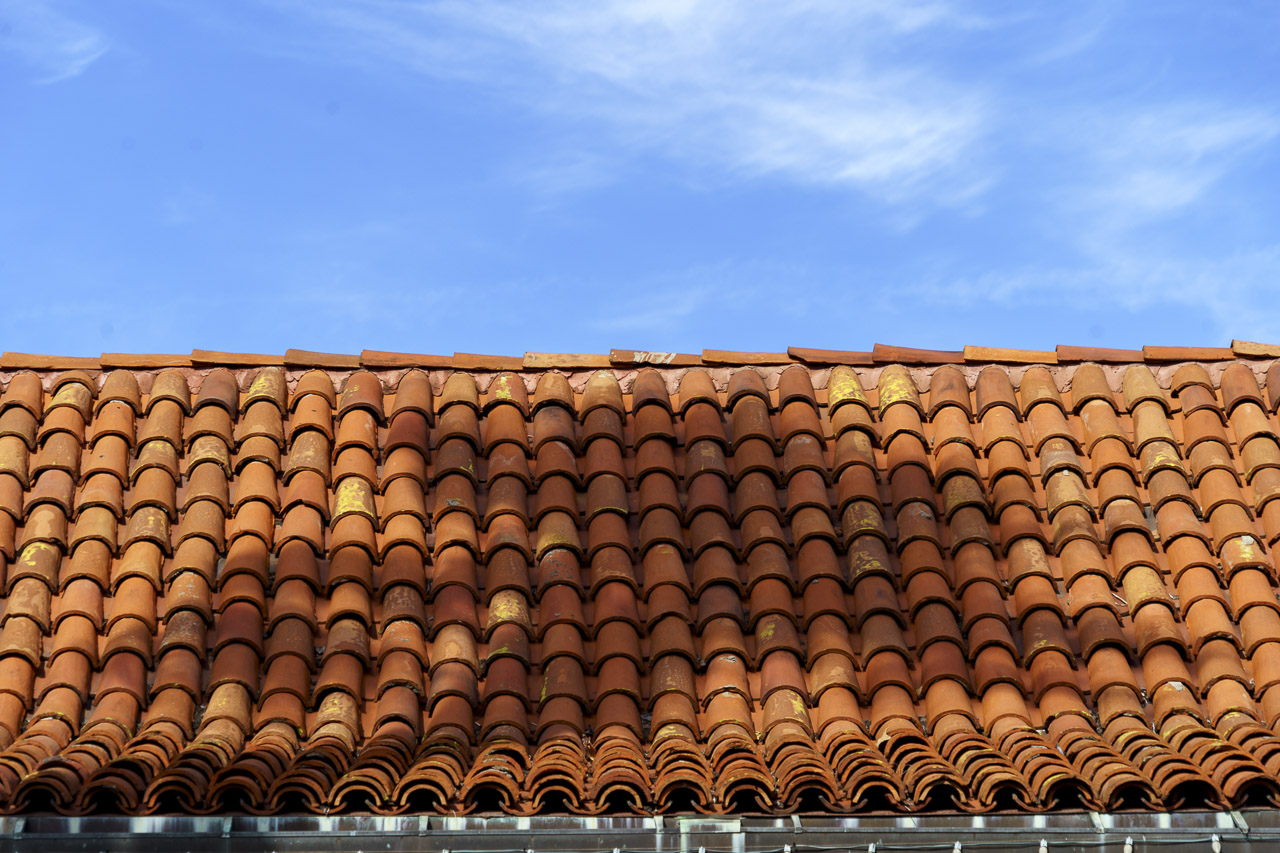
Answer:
(645, 581)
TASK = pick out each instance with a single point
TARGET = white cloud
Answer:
(1127, 186)
(561, 172)
(665, 305)
(1221, 291)
(683, 303)
(52, 45)
(185, 206)
(1077, 34)
(914, 103)
(1163, 161)
(812, 92)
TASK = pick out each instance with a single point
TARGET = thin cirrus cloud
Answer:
(804, 92)
(51, 46)
(1163, 161)
(1058, 129)
(1211, 289)
(1136, 182)
(949, 163)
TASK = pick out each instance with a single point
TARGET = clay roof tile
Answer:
(532, 584)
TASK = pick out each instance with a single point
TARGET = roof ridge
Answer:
(879, 354)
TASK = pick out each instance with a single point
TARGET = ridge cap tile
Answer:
(1100, 354)
(736, 357)
(1187, 353)
(890, 354)
(308, 358)
(143, 361)
(653, 358)
(234, 359)
(478, 361)
(381, 358)
(830, 356)
(36, 361)
(1251, 349)
(541, 360)
(999, 355)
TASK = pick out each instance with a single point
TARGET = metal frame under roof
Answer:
(1080, 832)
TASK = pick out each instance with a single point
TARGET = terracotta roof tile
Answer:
(1249, 349)
(305, 358)
(545, 360)
(995, 355)
(379, 359)
(629, 357)
(886, 354)
(129, 360)
(201, 357)
(28, 361)
(1068, 354)
(717, 356)
(827, 356)
(1187, 353)
(471, 361)
(914, 586)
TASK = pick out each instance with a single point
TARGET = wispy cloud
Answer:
(52, 45)
(661, 306)
(810, 92)
(562, 172)
(186, 205)
(1162, 161)
(661, 312)
(682, 304)
(1133, 184)
(1218, 290)
(879, 98)
(1077, 35)
(1135, 203)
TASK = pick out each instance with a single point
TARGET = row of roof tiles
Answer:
(879, 354)
(228, 593)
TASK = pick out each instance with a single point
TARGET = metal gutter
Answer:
(1081, 832)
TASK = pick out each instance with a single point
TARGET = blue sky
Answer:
(499, 177)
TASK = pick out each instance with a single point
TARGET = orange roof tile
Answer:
(545, 360)
(111, 360)
(827, 356)
(305, 358)
(1187, 353)
(1099, 354)
(886, 354)
(1249, 349)
(376, 358)
(720, 356)
(995, 355)
(542, 584)
(233, 359)
(658, 359)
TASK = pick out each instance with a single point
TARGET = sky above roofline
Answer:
(501, 177)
